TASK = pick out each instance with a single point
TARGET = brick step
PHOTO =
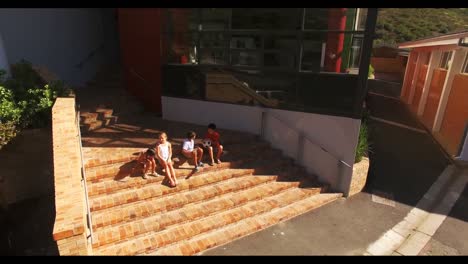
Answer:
(136, 210)
(88, 117)
(122, 170)
(104, 112)
(233, 153)
(156, 190)
(125, 181)
(240, 229)
(91, 125)
(189, 212)
(171, 235)
(107, 156)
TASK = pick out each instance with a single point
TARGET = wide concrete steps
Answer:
(164, 240)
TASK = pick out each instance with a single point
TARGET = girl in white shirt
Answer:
(164, 153)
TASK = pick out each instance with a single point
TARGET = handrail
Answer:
(304, 136)
(83, 177)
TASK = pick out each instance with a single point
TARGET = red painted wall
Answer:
(421, 77)
(456, 114)
(433, 98)
(140, 38)
(406, 89)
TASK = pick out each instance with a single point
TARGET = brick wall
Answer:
(70, 219)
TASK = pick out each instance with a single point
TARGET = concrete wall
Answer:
(3, 57)
(60, 39)
(339, 135)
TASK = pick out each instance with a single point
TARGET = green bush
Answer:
(8, 131)
(371, 70)
(363, 144)
(26, 100)
(9, 110)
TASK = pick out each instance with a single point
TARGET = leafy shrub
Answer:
(7, 132)
(363, 144)
(26, 100)
(9, 110)
(371, 71)
(23, 78)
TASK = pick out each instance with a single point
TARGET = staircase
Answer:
(253, 188)
(218, 204)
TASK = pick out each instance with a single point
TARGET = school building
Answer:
(435, 88)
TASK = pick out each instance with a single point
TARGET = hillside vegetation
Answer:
(396, 25)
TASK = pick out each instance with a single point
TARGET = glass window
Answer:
(267, 18)
(446, 60)
(465, 65)
(355, 52)
(245, 42)
(179, 48)
(280, 60)
(316, 18)
(313, 46)
(213, 40)
(180, 19)
(361, 18)
(208, 56)
(215, 18)
(245, 58)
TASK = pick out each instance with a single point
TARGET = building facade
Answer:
(435, 88)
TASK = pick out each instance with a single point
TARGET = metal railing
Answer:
(83, 177)
(301, 137)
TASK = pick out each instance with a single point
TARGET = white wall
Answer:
(339, 135)
(57, 38)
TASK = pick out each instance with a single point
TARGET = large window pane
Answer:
(213, 40)
(239, 41)
(215, 18)
(313, 46)
(331, 52)
(180, 19)
(280, 60)
(179, 48)
(213, 56)
(266, 18)
(244, 58)
(316, 18)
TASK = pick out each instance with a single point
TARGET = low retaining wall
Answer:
(70, 225)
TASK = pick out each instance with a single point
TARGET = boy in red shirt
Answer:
(213, 135)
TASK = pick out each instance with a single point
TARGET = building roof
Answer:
(448, 39)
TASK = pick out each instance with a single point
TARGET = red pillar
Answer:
(335, 41)
(140, 40)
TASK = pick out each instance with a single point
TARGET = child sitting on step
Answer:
(190, 151)
(147, 163)
(213, 136)
(164, 154)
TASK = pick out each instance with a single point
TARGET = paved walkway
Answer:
(404, 164)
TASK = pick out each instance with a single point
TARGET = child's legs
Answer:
(220, 151)
(191, 155)
(152, 165)
(146, 166)
(199, 152)
(171, 169)
(210, 151)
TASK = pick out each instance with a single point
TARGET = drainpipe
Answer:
(3, 57)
